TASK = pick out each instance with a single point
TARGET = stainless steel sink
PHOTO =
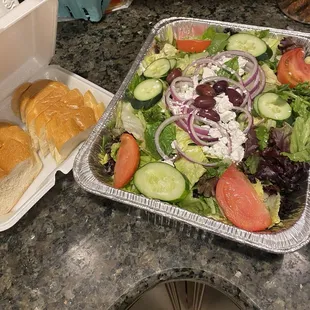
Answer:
(183, 295)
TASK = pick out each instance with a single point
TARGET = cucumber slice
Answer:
(173, 63)
(255, 105)
(272, 106)
(161, 181)
(267, 55)
(148, 89)
(247, 43)
(147, 94)
(157, 69)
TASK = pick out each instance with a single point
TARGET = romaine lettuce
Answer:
(231, 63)
(133, 121)
(300, 140)
(202, 206)
(183, 60)
(272, 202)
(167, 136)
(192, 171)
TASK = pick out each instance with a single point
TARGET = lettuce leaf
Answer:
(300, 107)
(262, 134)
(209, 33)
(167, 136)
(145, 159)
(273, 42)
(114, 150)
(281, 137)
(192, 171)
(203, 206)
(261, 34)
(131, 188)
(155, 114)
(272, 202)
(299, 98)
(300, 140)
(218, 43)
(103, 158)
(169, 50)
(252, 163)
(133, 121)
(231, 63)
(206, 186)
(271, 77)
(183, 59)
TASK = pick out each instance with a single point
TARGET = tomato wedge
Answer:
(292, 68)
(192, 46)
(127, 160)
(240, 202)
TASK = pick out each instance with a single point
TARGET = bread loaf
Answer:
(19, 165)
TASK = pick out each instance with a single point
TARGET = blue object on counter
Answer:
(83, 9)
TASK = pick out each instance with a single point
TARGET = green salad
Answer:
(216, 123)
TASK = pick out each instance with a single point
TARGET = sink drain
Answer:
(183, 295)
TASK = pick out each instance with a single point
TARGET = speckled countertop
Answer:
(77, 251)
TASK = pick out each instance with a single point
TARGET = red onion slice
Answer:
(261, 84)
(192, 132)
(182, 124)
(253, 86)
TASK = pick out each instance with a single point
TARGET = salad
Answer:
(217, 123)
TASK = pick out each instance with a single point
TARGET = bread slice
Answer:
(62, 137)
(73, 100)
(90, 101)
(51, 94)
(47, 105)
(9, 131)
(29, 94)
(66, 131)
(16, 98)
(19, 165)
(14, 184)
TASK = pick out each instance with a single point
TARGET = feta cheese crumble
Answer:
(185, 91)
(242, 62)
(227, 121)
(207, 72)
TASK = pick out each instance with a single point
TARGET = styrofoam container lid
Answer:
(27, 40)
(27, 45)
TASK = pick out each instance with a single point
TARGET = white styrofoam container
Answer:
(7, 5)
(27, 45)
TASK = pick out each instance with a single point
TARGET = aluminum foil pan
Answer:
(296, 230)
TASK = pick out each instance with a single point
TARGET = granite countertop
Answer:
(77, 251)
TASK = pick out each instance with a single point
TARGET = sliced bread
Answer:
(19, 165)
